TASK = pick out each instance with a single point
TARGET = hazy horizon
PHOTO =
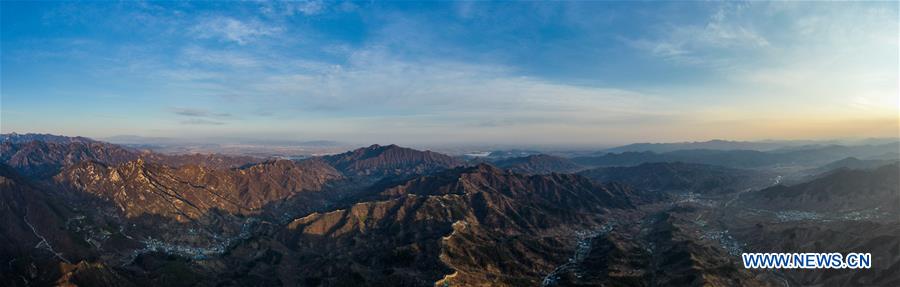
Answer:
(419, 74)
(451, 147)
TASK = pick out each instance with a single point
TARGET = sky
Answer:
(577, 73)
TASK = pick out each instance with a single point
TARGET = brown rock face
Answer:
(480, 223)
(215, 161)
(188, 192)
(44, 159)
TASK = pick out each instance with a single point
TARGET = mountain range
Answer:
(82, 212)
(718, 144)
(538, 164)
(806, 156)
(839, 191)
(684, 177)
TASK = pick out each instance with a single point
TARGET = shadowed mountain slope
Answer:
(390, 160)
(842, 190)
(678, 176)
(807, 156)
(538, 164)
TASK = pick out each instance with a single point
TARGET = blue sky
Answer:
(452, 72)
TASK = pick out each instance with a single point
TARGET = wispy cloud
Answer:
(697, 43)
(375, 82)
(310, 7)
(303, 7)
(486, 71)
(191, 112)
(233, 30)
(201, 122)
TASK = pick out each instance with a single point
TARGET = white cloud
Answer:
(196, 112)
(201, 122)
(305, 7)
(697, 44)
(375, 83)
(377, 96)
(828, 60)
(233, 30)
(310, 7)
(839, 59)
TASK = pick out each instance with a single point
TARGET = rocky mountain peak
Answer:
(486, 168)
